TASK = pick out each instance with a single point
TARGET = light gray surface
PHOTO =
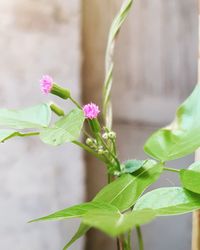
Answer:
(38, 37)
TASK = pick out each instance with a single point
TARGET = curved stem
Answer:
(85, 147)
(172, 169)
(75, 102)
(140, 239)
(30, 134)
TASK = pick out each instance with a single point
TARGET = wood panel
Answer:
(155, 70)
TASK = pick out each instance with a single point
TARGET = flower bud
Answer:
(112, 135)
(56, 109)
(48, 86)
(92, 143)
(105, 136)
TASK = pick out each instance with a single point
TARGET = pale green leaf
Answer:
(76, 211)
(124, 191)
(180, 138)
(33, 117)
(169, 201)
(66, 129)
(116, 223)
(82, 230)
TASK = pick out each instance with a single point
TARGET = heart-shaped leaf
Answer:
(180, 138)
(169, 201)
(66, 129)
(124, 191)
(33, 117)
(116, 223)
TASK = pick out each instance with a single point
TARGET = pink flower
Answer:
(46, 84)
(91, 111)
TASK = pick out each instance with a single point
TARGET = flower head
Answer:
(46, 83)
(91, 111)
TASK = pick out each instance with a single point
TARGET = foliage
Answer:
(119, 206)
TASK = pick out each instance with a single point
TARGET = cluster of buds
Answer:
(92, 143)
(109, 135)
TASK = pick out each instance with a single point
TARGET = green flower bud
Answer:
(112, 135)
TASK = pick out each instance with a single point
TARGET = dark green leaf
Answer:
(66, 129)
(124, 191)
(82, 230)
(169, 201)
(116, 223)
(34, 117)
(180, 138)
(131, 166)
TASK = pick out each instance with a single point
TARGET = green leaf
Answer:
(131, 166)
(116, 223)
(64, 130)
(169, 201)
(33, 117)
(124, 191)
(195, 166)
(76, 211)
(82, 230)
(180, 138)
(190, 178)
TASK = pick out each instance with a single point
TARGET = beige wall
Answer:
(38, 37)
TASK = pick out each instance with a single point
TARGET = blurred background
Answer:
(155, 69)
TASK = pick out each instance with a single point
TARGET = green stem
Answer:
(106, 147)
(88, 149)
(172, 169)
(129, 240)
(114, 146)
(30, 134)
(140, 239)
(75, 102)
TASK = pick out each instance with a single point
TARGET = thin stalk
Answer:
(140, 239)
(75, 102)
(89, 150)
(129, 240)
(106, 147)
(114, 146)
(30, 134)
(172, 169)
(86, 133)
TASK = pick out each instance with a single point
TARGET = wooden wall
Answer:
(155, 70)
